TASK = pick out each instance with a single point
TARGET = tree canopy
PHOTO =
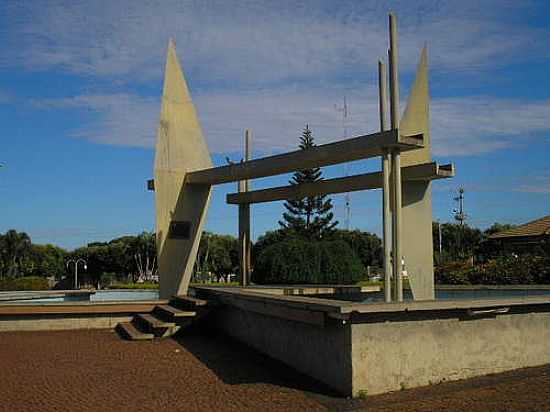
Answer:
(310, 217)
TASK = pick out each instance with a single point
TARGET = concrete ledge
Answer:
(67, 315)
(492, 287)
(8, 296)
(341, 308)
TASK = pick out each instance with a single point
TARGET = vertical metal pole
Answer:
(76, 275)
(248, 244)
(395, 158)
(247, 151)
(241, 186)
(398, 256)
(386, 164)
(245, 245)
(440, 241)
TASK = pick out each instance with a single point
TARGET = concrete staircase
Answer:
(165, 320)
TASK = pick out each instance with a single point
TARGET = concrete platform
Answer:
(362, 349)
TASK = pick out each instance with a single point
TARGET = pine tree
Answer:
(310, 217)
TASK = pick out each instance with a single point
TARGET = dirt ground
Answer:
(201, 371)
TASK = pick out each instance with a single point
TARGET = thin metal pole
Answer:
(248, 243)
(386, 169)
(247, 151)
(395, 158)
(394, 72)
(398, 256)
(440, 241)
(242, 236)
(245, 244)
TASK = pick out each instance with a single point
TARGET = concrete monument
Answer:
(184, 176)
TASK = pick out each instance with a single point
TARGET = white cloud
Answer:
(256, 42)
(460, 126)
(539, 183)
(479, 124)
(273, 67)
(117, 119)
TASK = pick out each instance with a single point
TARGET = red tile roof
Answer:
(539, 227)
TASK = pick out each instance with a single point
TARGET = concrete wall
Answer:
(376, 348)
(61, 322)
(395, 355)
(323, 353)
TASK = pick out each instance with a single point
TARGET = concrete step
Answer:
(129, 331)
(151, 322)
(188, 302)
(170, 313)
(154, 325)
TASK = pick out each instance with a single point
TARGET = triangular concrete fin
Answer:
(180, 148)
(416, 118)
(417, 244)
(179, 128)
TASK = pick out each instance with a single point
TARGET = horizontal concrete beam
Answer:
(367, 181)
(348, 150)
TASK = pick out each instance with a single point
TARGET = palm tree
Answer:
(145, 255)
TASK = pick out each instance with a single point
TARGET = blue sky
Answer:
(80, 85)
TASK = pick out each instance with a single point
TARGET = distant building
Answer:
(532, 237)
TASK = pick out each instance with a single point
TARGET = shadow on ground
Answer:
(235, 363)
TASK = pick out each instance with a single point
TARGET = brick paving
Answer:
(201, 371)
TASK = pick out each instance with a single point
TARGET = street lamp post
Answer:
(76, 262)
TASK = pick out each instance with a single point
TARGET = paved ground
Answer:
(97, 371)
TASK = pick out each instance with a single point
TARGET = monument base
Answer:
(367, 349)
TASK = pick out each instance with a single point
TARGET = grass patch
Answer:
(370, 283)
(406, 284)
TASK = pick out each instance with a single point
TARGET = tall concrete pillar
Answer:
(395, 160)
(245, 242)
(386, 192)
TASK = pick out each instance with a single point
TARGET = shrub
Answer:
(299, 261)
(106, 279)
(504, 270)
(453, 273)
(24, 283)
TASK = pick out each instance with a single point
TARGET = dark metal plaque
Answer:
(180, 230)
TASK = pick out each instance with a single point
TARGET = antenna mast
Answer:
(344, 111)
(460, 216)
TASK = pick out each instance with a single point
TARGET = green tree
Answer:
(498, 227)
(269, 238)
(367, 246)
(457, 241)
(310, 217)
(45, 261)
(144, 252)
(300, 261)
(15, 248)
(218, 255)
